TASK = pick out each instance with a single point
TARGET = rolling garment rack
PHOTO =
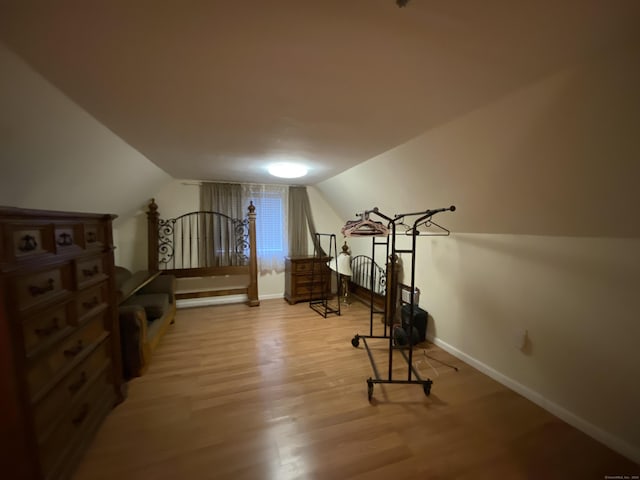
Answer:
(421, 219)
(323, 305)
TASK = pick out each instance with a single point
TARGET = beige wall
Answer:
(557, 158)
(175, 198)
(546, 239)
(55, 156)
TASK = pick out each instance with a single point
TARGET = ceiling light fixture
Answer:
(287, 170)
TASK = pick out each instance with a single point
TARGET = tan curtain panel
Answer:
(217, 237)
(301, 223)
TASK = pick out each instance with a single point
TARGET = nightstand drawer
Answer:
(315, 266)
(306, 276)
(307, 289)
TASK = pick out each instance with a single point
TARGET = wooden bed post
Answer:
(152, 236)
(252, 291)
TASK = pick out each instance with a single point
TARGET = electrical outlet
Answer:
(520, 338)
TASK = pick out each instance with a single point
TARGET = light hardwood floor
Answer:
(279, 392)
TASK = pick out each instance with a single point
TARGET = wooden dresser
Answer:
(304, 275)
(60, 367)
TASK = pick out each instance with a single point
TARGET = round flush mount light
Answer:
(287, 170)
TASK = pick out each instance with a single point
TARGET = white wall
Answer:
(55, 156)
(175, 198)
(325, 217)
(577, 299)
(559, 157)
(546, 238)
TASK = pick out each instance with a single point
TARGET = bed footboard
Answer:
(205, 244)
(368, 281)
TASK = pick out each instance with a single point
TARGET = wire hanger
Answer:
(428, 223)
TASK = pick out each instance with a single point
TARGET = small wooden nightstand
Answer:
(305, 276)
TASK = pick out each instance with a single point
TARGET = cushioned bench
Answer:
(147, 308)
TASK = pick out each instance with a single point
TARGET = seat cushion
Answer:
(155, 304)
(122, 275)
(153, 327)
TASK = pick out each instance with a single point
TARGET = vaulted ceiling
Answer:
(214, 90)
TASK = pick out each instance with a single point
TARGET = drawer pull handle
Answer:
(75, 386)
(36, 290)
(91, 237)
(75, 350)
(64, 240)
(90, 272)
(82, 415)
(93, 303)
(27, 243)
(46, 331)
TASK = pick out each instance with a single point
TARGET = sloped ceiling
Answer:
(213, 90)
(55, 156)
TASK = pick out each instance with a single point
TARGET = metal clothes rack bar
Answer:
(413, 376)
(324, 305)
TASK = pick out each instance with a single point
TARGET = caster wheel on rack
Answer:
(369, 389)
(426, 386)
(355, 341)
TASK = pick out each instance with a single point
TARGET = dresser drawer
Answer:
(309, 266)
(307, 288)
(68, 237)
(90, 271)
(42, 371)
(78, 421)
(71, 386)
(43, 329)
(37, 288)
(28, 240)
(91, 300)
(95, 235)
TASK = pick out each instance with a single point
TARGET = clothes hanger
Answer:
(364, 228)
(443, 232)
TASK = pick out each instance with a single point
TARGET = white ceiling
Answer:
(214, 90)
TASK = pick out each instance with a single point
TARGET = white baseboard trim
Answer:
(613, 442)
(220, 300)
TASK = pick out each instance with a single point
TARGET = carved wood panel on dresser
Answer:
(60, 362)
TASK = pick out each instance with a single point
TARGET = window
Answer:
(271, 203)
